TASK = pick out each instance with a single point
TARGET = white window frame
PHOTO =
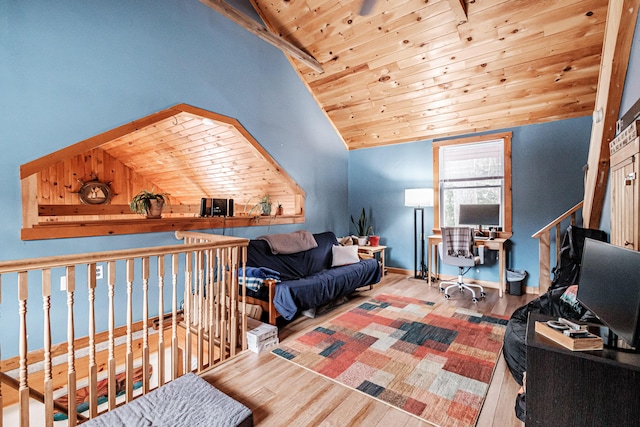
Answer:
(506, 204)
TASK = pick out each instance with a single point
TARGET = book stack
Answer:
(583, 343)
(261, 336)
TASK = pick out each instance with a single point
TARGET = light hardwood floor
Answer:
(282, 394)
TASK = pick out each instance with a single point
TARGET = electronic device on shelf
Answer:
(609, 287)
(216, 207)
(487, 215)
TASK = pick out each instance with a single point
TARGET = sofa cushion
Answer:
(297, 265)
(344, 255)
(325, 286)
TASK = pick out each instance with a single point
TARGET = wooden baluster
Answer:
(188, 295)
(129, 350)
(223, 305)
(93, 367)
(233, 303)
(175, 349)
(217, 292)
(111, 283)
(244, 301)
(161, 356)
(23, 390)
(545, 264)
(200, 312)
(145, 325)
(48, 378)
(214, 332)
(210, 306)
(71, 360)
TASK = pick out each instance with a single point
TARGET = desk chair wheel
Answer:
(482, 294)
(447, 296)
(441, 289)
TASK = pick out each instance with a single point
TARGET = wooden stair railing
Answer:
(191, 272)
(544, 244)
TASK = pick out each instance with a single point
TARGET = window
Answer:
(472, 171)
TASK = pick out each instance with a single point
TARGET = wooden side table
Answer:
(372, 251)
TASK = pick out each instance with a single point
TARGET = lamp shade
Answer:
(418, 197)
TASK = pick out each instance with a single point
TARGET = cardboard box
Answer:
(260, 333)
(264, 345)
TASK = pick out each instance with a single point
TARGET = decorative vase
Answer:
(155, 208)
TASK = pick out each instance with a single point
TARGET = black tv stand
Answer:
(579, 388)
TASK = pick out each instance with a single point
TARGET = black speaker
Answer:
(218, 207)
(221, 207)
(205, 207)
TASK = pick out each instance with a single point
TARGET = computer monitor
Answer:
(609, 287)
(479, 215)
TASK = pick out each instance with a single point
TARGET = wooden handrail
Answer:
(558, 220)
(544, 244)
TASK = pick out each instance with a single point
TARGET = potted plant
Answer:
(363, 229)
(279, 209)
(149, 203)
(264, 205)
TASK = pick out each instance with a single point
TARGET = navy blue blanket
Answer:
(308, 280)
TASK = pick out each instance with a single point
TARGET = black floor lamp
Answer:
(418, 199)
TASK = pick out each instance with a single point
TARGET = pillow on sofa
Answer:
(343, 255)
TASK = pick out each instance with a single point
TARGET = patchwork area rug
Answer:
(434, 361)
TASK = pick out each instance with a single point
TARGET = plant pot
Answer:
(374, 240)
(265, 209)
(155, 209)
(362, 240)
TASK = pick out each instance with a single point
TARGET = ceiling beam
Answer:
(457, 6)
(619, 29)
(252, 26)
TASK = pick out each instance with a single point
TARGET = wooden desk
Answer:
(497, 244)
(372, 251)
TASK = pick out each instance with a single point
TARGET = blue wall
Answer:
(547, 161)
(72, 69)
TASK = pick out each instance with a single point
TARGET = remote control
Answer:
(571, 324)
(576, 333)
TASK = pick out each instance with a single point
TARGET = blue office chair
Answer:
(457, 249)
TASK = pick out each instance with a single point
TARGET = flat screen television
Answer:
(479, 215)
(609, 287)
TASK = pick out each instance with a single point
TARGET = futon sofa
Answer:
(310, 278)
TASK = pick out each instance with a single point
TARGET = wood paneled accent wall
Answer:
(59, 183)
(185, 151)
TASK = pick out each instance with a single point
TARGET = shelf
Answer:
(69, 229)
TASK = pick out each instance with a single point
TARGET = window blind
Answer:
(477, 161)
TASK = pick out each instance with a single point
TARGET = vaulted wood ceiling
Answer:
(413, 70)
